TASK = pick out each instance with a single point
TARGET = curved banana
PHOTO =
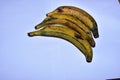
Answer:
(82, 15)
(67, 23)
(66, 34)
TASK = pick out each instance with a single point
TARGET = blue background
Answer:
(45, 58)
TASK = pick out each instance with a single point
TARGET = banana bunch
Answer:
(72, 24)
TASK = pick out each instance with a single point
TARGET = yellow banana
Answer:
(88, 48)
(66, 34)
(67, 23)
(82, 15)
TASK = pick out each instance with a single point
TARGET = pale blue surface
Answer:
(43, 58)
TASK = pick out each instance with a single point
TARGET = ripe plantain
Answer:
(82, 15)
(67, 23)
(66, 34)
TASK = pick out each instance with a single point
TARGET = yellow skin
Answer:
(82, 15)
(72, 19)
(66, 34)
(67, 23)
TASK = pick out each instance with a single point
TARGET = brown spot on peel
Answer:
(60, 10)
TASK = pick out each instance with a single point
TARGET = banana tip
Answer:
(96, 36)
(36, 27)
(47, 14)
(89, 60)
(30, 34)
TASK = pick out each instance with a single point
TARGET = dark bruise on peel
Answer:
(69, 8)
(59, 10)
(51, 19)
(78, 36)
